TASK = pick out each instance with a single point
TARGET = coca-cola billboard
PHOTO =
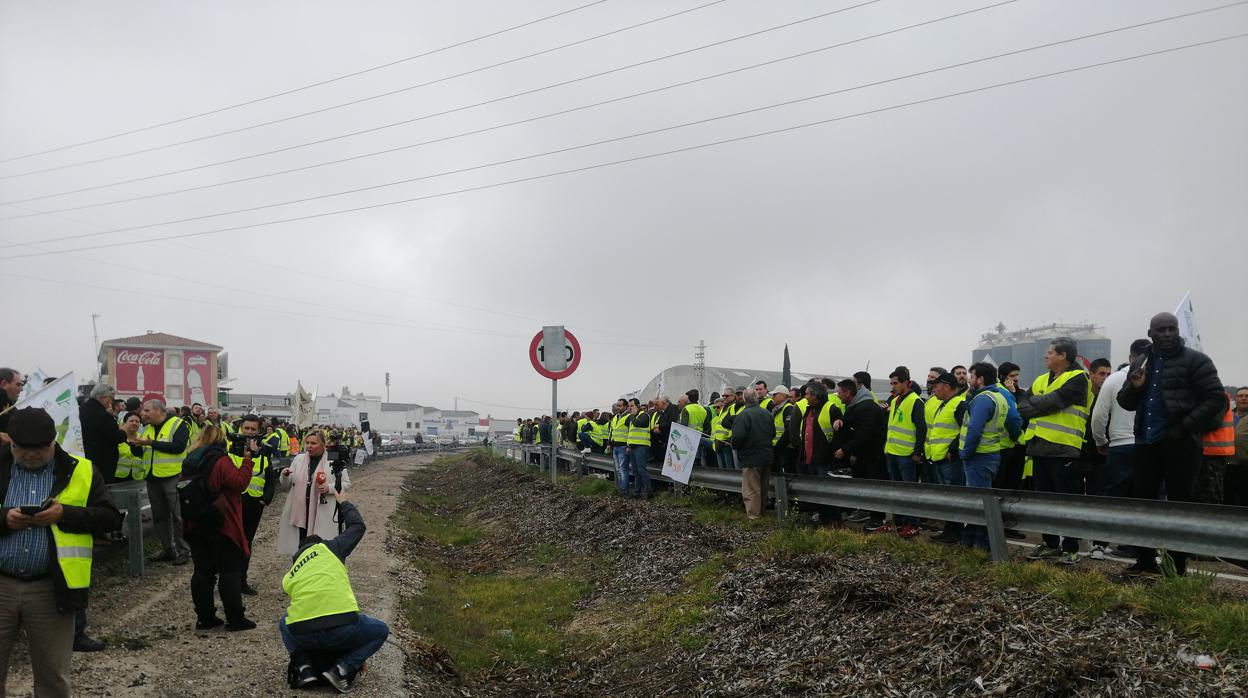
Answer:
(140, 371)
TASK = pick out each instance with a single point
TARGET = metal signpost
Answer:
(554, 353)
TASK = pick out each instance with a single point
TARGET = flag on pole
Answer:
(59, 399)
(1188, 329)
(304, 408)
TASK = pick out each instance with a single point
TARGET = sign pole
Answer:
(554, 431)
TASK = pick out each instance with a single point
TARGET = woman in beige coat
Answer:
(310, 504)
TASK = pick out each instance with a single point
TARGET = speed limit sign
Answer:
(554, 352)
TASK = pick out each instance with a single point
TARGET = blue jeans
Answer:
(951, 472)
(641, 459)
(979, 470)
(622, 467)
(902, 469)
(583, 440)
(353, 643)
(1115, 477)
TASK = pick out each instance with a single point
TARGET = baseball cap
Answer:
(780, 389)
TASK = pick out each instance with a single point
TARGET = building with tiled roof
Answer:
(180, 371)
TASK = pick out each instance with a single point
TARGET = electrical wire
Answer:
(328, 81)
(609, 140)
(648, 156)
(361, 100)
(387, 151)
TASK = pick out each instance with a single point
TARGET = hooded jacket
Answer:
(864, 430)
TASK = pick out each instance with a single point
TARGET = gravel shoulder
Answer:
(154, 649)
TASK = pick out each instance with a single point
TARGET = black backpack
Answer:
(195, 498)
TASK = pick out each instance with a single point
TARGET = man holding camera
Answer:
(54, 506)
(247, 451)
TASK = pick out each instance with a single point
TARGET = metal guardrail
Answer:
(1204, 529)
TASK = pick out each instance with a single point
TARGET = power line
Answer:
(562, 112)
(591, 144)
(305, 87)
(369, 98)
(650, 156)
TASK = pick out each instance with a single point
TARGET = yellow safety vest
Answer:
(619, 429)
(801, 406)
(1067, 426)
(697, 416)
(73, 550)
(990, 438)
(929, 415)
(765, 403)
(719, 432)
(259, 469)
(639, 430)
(515, 434)
(778, 419)
(318, 586)
(129, 466)
(824, 419)
(193, 431)
(159, 463)
(901, 432)
(283, 444)
(942, 427)
(227, 427)
(597, 432)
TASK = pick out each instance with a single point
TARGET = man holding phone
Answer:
(247, 451)
(54, 506)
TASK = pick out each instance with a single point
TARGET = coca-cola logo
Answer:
(147, 358)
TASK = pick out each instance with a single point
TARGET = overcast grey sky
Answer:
(896, 237)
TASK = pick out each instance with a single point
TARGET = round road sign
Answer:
(572, 353)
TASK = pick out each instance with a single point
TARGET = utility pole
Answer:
(95, 334)
(699, 367)
(387, 386)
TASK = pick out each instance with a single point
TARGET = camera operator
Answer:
(247, 451)
(312, 479)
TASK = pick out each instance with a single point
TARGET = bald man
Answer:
(1177, 396)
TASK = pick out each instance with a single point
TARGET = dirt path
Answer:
(154, 649)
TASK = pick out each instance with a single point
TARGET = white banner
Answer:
(60, 400)
(304, 409)
(682, 452)
(1188, 329)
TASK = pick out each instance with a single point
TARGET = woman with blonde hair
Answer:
(215, 534)
(310, 506)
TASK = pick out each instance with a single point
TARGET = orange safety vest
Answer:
(1221, 441)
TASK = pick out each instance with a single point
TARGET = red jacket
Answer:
(230, 483)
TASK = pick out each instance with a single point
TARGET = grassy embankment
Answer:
(519, 612)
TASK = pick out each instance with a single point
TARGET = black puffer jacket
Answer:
(1195, 398)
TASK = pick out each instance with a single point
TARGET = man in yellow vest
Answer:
(323, 630)
(697, 417)
(54, 506)
(903, 444)
(618, 436)
(165, 440)
(987, 423)
(246, 450)
(944, 414)
(1058, 406)
(787, 422)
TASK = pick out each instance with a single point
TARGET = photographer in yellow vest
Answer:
(54, 506)
(327, 636)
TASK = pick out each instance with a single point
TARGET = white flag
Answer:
(682, 452)
(60, 400)
(304, 408)
(1188, 329)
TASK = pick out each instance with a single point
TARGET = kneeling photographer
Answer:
(312, 478)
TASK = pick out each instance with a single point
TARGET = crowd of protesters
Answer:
(1159, 426)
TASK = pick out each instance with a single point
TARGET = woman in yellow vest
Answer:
(323, 618)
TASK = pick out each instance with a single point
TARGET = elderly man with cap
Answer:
(787, 420)
(54, 506)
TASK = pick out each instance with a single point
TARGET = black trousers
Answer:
(1173, 463)
(1235, 491)
(1010, 474)
(218, 563)
(252, 509)
(1063, 476)
(785, 459)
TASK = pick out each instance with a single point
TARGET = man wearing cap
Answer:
(54, 505)
(787, 420)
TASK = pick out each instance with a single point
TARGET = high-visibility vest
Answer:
(580, 425)
(129, 466)
(1067, 426)
(193, 431)
(990, 438)
(1221, 441)
(765, 403)
(318, 586)
(801, 406)
(294, 445)
(159, 463)
(515, 434)
(227, 427)
(284, 443)
(1006, 441)
(824, 419)
(942, 427)
(929, 413)
(778, 419)
(537, 433)
(73, 550)
(901, 432)
(597, 432)
(639, 430)
(719, 432)
(259, 469)
(619, 429)
(697, 416)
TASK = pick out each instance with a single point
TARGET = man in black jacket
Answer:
(53, 504)
(860, 437)
(752, 432)
(100, 433)
(1177, 396)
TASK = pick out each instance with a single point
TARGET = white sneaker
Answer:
(584, 450)
(1097, 552)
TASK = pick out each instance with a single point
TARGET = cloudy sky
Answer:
(888, 233)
